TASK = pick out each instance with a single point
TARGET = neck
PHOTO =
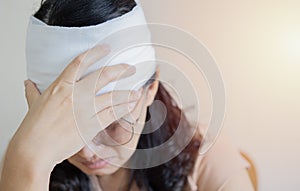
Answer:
(116, 181)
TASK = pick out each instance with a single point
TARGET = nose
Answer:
(86, 153)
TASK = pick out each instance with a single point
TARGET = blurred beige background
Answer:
(257, 46)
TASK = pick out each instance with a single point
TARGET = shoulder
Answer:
(239, 181)
(219, 166)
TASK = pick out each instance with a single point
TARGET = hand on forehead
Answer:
(134, 115)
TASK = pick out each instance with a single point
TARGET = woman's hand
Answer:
(48, 133)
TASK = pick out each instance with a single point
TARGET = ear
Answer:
(152, 90)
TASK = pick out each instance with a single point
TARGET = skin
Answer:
(38, 145)
(240, 181)
(40, 142)
(112, 171)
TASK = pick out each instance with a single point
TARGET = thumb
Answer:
(31, 92)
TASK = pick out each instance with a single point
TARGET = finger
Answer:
(108, 74)
(31, 92)
(116, 98)
(76, 68)
(107, 117)
(128, 110)
(137, 110)
(113, 73)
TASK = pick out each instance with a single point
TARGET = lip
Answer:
(96, 164)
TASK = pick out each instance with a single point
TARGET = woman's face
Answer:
(114, 157)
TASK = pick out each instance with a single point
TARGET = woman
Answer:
(54, 157)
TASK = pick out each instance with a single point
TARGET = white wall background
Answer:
(257, 46)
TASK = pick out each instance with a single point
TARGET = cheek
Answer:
(138, 128)
(126, 151)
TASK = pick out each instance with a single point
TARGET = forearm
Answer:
(21, 173)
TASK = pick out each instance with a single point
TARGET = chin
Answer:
(106, 171)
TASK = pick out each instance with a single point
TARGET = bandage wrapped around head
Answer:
(49, 49)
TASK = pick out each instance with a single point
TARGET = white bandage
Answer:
(49, 49)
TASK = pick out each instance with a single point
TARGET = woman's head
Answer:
(173, 174)
(93, 12)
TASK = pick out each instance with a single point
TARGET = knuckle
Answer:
(105, 74)
(56, 89)
(112, 95)
(78, 60)
(67, 100)
(60, 87)
(112, 113)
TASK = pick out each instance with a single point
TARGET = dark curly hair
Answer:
(171, 175)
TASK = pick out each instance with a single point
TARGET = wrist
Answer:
(21, 173)
(30, 150)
